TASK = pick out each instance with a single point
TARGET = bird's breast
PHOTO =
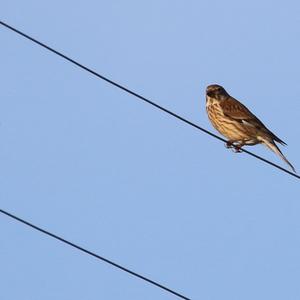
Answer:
(213, 108)
(226, 126)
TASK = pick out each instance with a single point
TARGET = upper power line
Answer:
(141, 97)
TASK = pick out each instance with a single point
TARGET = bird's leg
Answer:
(229, 144)
(237, 149)
(235, 146)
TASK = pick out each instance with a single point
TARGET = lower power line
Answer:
(46, 232)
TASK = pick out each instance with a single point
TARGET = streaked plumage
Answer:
(235, 121)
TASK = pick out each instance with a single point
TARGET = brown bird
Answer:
(235, 121)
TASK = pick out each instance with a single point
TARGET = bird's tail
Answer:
(272, 146)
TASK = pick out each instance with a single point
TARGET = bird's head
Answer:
(216, 92)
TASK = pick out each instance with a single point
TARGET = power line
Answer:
(141, 97)
(93, 254)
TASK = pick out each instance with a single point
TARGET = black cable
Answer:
(93, 254)
(141, 97)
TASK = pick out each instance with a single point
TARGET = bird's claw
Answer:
(229, 145)
(236, 149)
(233, 147)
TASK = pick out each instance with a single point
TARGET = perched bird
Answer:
(235, 121)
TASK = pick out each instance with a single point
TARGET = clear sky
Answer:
(91, 163)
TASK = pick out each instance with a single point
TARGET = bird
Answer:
(238, 124)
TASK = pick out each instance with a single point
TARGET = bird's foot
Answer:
(229, 145)
(236, 148)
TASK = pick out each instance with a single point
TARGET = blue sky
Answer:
(94, 165)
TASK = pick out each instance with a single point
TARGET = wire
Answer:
(141, 97)
(93, 254)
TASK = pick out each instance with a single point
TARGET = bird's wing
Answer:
(235, 110)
